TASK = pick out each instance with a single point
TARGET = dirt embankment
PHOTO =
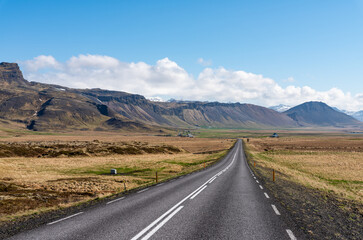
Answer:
(76, 148)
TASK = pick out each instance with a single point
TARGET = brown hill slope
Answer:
(49, 107)
(320, 114)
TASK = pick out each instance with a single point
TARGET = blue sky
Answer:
(311, 43)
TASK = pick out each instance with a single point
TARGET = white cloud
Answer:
(166, 79)
(204, 63)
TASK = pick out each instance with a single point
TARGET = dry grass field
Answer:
(319, 180)
(62, 170)
(333, 164)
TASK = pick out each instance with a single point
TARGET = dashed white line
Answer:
(118, 199)
(254, 177)
(192, 197)
(143, 190)
(261, 187)
(291, 235)
(257, 181)
(162, 223)
(62, 219)
(267, 196)
(275, 209)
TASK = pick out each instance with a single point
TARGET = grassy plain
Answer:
(67, 169)
(319, 179)
(333, 164)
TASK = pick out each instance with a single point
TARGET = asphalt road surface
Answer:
(225, 201)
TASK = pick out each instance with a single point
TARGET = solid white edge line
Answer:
(291, 235)
(261, 187)
(175, 206)
(161, 223)
(118, 199)
(62, 219)
(160, 184)
(143, 190)
(275, 209)
(267, 196)
(192, 197)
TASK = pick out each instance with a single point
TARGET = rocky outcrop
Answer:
(10, 74)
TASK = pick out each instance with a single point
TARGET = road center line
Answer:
(162, 223)
(261, 187)
(291, 235)
(198, 192)
(275, 209)
(257, 181)
(118, 199)
(175, 206)
(267, 196)
(143, 190)
(62, 219)
(212, 179)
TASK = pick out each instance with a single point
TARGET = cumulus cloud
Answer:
(166, 79)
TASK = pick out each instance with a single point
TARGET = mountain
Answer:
(47, 107)
(51, 107)
(357, 115)
(280, 108)
(319, 114)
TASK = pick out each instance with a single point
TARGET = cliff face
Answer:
(10, 74)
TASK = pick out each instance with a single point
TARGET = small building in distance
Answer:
(275, 135)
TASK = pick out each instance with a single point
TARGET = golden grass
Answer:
(333, 164)
(29, 185)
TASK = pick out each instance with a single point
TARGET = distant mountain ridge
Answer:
(319, 114)
(47, 107)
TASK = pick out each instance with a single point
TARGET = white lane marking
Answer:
(267, 196)
(212, 179)
(275, 209)
(291, 235)
(176, 205)
(254, 177)
(160, 184)
(62, 219)
(143, 190)
(118, 199)
(257, 181)
(198, 192)
(162, 223)
(261, 187)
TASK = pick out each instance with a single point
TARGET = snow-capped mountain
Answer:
(280, 108)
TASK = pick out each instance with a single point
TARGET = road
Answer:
(225, 201)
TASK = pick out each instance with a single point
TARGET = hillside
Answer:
(319, 114)
(46, 107)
